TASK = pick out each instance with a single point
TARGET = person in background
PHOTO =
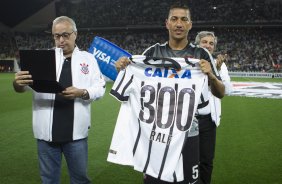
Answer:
(207, 127)
(61, 121)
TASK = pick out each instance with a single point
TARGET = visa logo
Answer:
(101, 55)
(167, 73)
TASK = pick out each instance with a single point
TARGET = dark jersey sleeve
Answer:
(149, 51)
(201, 53)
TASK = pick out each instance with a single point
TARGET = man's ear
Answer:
(166, 24)
(191, 25)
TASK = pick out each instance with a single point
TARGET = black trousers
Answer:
(207, 134)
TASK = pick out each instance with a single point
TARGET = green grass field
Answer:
(249, 141)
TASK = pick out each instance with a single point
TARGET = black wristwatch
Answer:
(84, 95)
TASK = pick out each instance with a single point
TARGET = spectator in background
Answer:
(61, 121)
(207, 126)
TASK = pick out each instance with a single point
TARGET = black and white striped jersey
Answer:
(190, 51)
(159, 100)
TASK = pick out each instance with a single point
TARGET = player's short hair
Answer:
(203, 34)
(179, 6)
(65, 19)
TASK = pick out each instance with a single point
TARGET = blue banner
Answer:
(107, 53)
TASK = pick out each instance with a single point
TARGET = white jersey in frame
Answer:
(157, 110)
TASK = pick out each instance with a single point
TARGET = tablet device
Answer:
(41, 64)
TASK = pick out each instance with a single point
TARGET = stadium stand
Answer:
(128, 12)
(248, 31)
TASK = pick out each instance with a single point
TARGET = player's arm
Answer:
(22, 79)
(217, 87)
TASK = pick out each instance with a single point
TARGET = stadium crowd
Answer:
(250, 48)
(128, 12)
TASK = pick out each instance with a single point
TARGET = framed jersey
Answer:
(158, 107)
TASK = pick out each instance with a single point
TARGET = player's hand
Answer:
(206, 68)
(23, 78)
(121, 63)
(220, 59)
(72, 92)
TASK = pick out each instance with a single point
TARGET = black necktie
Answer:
(63, 113)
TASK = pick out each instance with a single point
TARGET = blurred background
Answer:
(248, 30)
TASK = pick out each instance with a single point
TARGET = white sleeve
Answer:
(122, 85)
(98, 88)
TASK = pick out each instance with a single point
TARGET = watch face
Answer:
(84, 95)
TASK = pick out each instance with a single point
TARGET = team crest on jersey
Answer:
(84, 68)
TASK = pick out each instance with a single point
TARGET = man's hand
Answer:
(206, 68)
(22, 79)
(121, 63)
(220, 59)
(217, 87)
(72, 92)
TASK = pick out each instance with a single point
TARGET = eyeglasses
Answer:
(64, 35)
